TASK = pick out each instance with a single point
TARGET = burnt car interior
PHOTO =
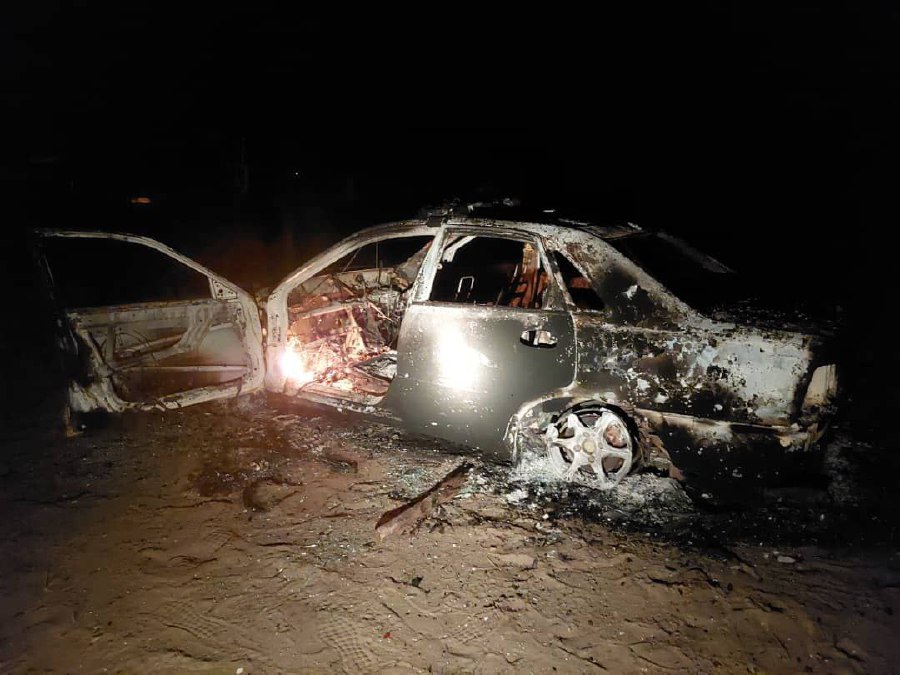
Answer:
(490, 271)
(157, 331)
(344, 322)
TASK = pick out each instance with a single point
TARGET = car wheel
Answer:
(592, 446)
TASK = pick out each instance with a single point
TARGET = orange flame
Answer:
(293, 367)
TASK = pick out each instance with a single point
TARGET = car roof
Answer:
(557, 227)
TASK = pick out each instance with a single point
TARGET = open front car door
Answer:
(142, 327)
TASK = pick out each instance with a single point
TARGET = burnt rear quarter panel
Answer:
(712, 371)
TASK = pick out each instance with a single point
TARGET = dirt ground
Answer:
(241, 539)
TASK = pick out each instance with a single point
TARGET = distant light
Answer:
(549, 210)
(141, 200)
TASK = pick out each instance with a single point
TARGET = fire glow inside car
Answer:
(511, 338)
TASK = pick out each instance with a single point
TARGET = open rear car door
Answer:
(142, 327)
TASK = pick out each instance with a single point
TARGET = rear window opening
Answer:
(757, 298)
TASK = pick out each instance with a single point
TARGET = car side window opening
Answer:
(618, 284)
(579, 287)
(344, 322)
(108, 272)
(490, 271)
(384, 267)
(401, 257)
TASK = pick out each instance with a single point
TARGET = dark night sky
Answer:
(770, 131)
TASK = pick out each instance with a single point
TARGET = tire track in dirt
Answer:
(343, 635)
(183, 627)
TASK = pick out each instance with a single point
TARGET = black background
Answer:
(768, 134)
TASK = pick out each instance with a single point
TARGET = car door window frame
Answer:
(100, 395)
(561, 283)
(554, 301)
(276, 304)
(219, 287)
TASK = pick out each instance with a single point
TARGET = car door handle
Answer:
(536, 337)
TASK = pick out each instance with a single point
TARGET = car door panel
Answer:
(150, 353)
(464, 370)
(160, 354)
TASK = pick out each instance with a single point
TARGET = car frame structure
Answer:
(516, 339)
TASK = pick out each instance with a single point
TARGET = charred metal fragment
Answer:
(408, 517)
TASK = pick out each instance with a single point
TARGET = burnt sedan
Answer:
(511, 338)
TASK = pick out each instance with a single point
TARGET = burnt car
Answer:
(511, 338)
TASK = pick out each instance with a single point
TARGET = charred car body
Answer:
(512, 338)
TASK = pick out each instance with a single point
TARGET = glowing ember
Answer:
(294, 368)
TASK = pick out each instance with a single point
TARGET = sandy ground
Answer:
(242, 540)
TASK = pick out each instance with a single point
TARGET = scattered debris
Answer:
(408, 517)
